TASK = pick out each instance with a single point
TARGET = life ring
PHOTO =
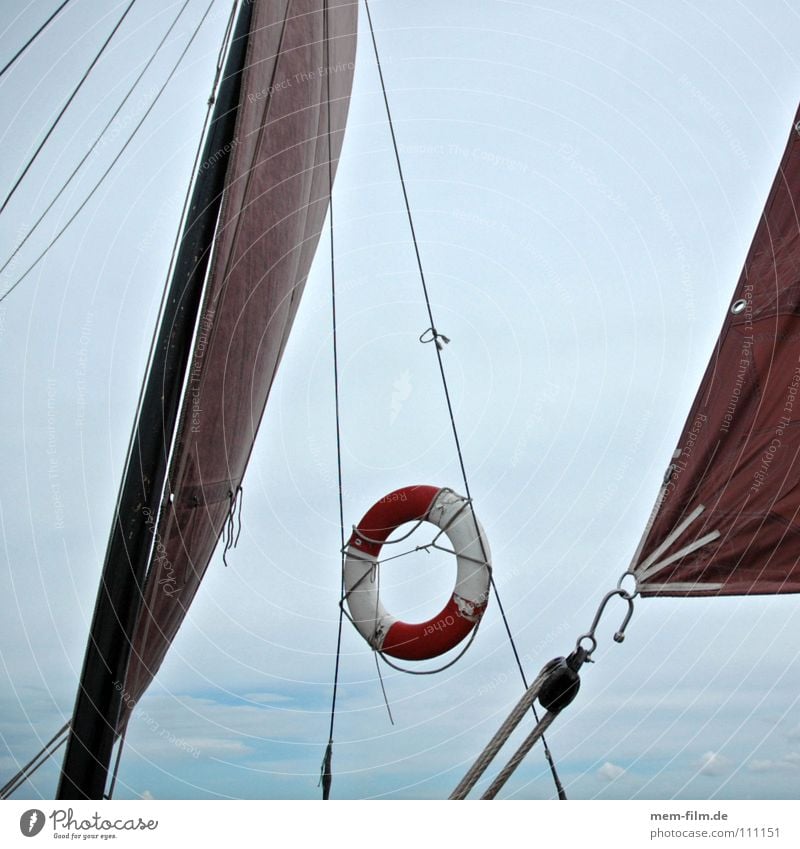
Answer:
(453, 514)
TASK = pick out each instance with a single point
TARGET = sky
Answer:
(585, 180)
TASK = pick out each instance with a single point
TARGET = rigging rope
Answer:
(116, 159)
(66, 106)
(33, 38)
(436, 336)
(49, 749)
(110, 793)
(556, 686)
(326, 776)
(501, 735)
(96, 142)
(527, 744)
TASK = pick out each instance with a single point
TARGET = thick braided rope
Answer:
(501, 736)
(518, 756)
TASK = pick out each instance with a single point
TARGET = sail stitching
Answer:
(653, 563)
(678, 555)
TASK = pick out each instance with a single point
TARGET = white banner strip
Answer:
(402, 824)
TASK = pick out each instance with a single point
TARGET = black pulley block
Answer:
(561, 685)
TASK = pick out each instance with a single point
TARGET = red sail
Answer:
(727, 519)
(275, 203)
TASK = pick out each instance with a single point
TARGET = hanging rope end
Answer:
(230, 531)
(325, 777)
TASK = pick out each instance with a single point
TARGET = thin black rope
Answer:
(548, 755)
(97, 141)
(66, 106)
(113, 162)
(383, 687)
(110, 794)
(33, 38)
(49, 749)
(326, 777)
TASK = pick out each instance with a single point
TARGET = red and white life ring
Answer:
(451, 513)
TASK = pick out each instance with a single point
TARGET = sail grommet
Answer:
(738, 307)
(453, 515)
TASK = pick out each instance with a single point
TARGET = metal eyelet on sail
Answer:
(453, 515)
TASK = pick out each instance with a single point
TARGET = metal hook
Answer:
(619, 636)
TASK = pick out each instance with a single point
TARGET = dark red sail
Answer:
(273, 212)
(727, 520)
(93, 728)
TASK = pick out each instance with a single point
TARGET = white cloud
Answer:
(610, 772)
(762, 765)
(146, 794)
(266, 698)
(791, 760)
(218, 747)
(713, 763)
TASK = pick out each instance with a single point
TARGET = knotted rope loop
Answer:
(433, 335)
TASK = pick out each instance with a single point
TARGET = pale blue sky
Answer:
(586, 178)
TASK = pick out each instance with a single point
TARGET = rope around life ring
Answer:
(453, 515)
